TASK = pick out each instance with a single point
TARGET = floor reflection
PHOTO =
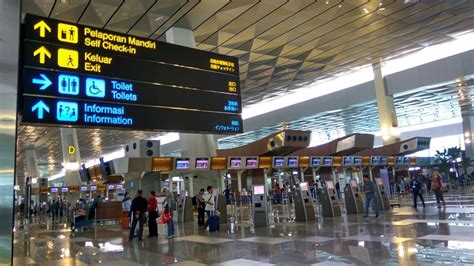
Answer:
(404, 236)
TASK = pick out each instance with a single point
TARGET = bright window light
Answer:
(57, 176)
(461, 44)
(71, 166)
(425, 126)
(318, 89)
(167, 138)
(437, 144)
(107, 157)
(114, 155)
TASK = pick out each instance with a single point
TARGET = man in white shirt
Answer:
(210, 203)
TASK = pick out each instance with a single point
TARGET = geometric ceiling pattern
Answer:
(424, 105)
(281, 45)
(47, 142)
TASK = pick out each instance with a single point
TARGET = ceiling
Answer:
(93, 143)
(424, 105)
(282, 45)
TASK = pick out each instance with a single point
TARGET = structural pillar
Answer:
(386, 108)
(31, 164)
(239, 180)
(194, 145)
(467, 115)
(32, 173)
(71, 156)
(9, 47)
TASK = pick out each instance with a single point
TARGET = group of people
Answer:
(206, 204)
(140, 210)
(436, 185)
(34, 208)
(416, 187)
(281, 193)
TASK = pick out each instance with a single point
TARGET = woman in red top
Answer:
(436, 187)
(152, 209)
(277, 193)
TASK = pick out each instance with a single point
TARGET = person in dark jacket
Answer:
(369, 189)
(416, 187)
(138, 210)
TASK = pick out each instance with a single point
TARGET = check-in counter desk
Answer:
(109, 210)
(329, 201)
(352, 196)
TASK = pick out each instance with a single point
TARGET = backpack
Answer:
(194, 200)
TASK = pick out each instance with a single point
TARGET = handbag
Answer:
(166, 218)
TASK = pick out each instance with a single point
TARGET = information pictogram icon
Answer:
(68, 33)
(67, 111)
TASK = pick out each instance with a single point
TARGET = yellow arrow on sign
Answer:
(43, 27)
(43, 53)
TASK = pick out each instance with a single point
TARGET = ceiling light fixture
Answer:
(366, 11)
(327, 2)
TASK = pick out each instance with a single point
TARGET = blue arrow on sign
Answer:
(41, 107)
(44, 81)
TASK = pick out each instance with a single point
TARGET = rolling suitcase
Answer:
(213, 222)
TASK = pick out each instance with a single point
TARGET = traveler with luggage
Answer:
(212, 223)
(168, 205)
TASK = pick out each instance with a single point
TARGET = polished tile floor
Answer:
(403, 236)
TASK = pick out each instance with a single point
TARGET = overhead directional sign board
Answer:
(76, 75)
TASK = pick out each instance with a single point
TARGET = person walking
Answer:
(138, 209)
(226, 193)
(277, 194)
(168, 206)
(126, 203)
(210, 203)
(152, 215)
(22, 209)
(201, 204)
(437, 187)
(93, 207)
(54, 208)
(369, 189)
(417, 187)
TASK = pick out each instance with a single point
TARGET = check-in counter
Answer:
(109, 210)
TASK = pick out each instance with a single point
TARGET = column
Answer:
(386, 108)
(467, 115)
(31, 164)
(195, 145)
(9, 46)
(31, 173)
(239, 180)
(71, 156)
